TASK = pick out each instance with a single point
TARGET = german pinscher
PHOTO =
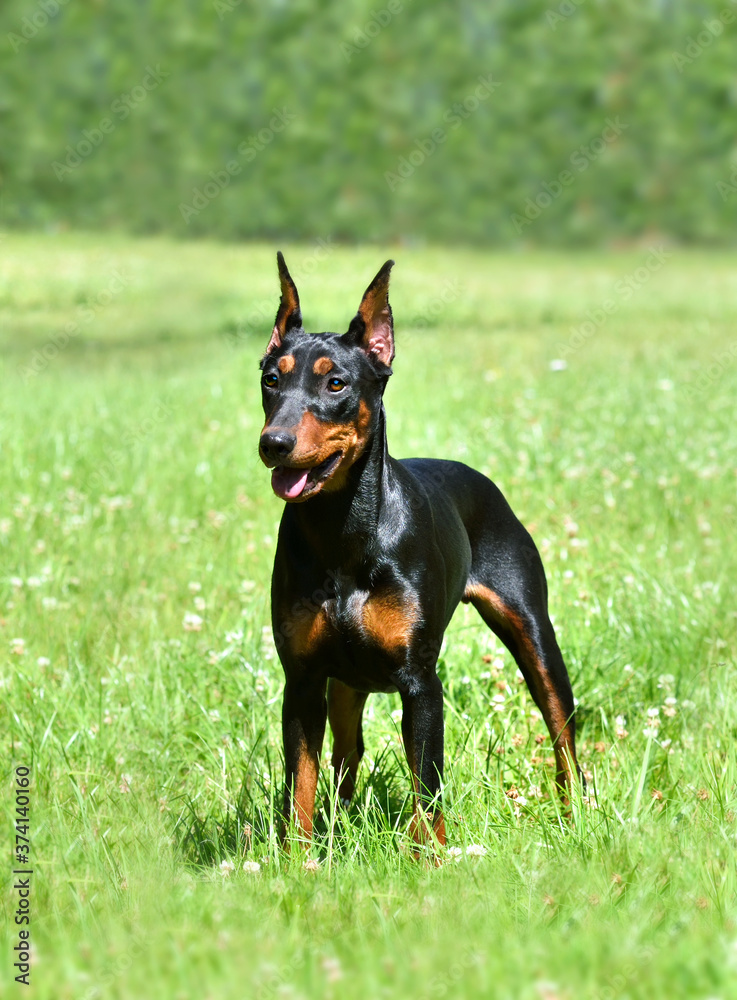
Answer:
(373, 557)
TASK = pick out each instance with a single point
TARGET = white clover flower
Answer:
(649, 733)
(226, 868)
(476, 851)
(454, 853)
(192, 622)
(653, 713)
(251, 867)
(332, 969)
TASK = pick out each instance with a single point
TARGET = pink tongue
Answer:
(288, 483)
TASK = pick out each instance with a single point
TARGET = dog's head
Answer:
(322, 391)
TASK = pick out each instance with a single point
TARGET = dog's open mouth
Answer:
(298, 484)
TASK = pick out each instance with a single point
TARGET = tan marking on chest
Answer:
(322, 366)
(306, 630)
(389, 619)
(286, 364)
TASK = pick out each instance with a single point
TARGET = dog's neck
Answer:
(343, 526)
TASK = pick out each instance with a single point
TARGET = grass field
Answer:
(139, 683)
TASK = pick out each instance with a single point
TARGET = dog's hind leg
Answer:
(518, 615)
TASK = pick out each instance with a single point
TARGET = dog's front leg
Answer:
(422, 732)
(304, 712)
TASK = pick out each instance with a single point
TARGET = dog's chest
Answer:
(355, 620)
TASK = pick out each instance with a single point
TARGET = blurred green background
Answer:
(138, 678)
(571, 123)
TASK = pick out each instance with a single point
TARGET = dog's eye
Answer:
(336, 384)
(270, 380)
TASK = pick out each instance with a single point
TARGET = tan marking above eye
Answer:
(286, 364)
(322, 366)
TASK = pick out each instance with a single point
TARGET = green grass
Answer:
(132, 496)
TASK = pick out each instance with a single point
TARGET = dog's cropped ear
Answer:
(289, 315)
(372, 328)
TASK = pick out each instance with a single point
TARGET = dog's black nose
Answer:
(277, 445)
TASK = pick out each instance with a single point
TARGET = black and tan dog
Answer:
(373, 557)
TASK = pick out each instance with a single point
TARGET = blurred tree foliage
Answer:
(234, 119)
